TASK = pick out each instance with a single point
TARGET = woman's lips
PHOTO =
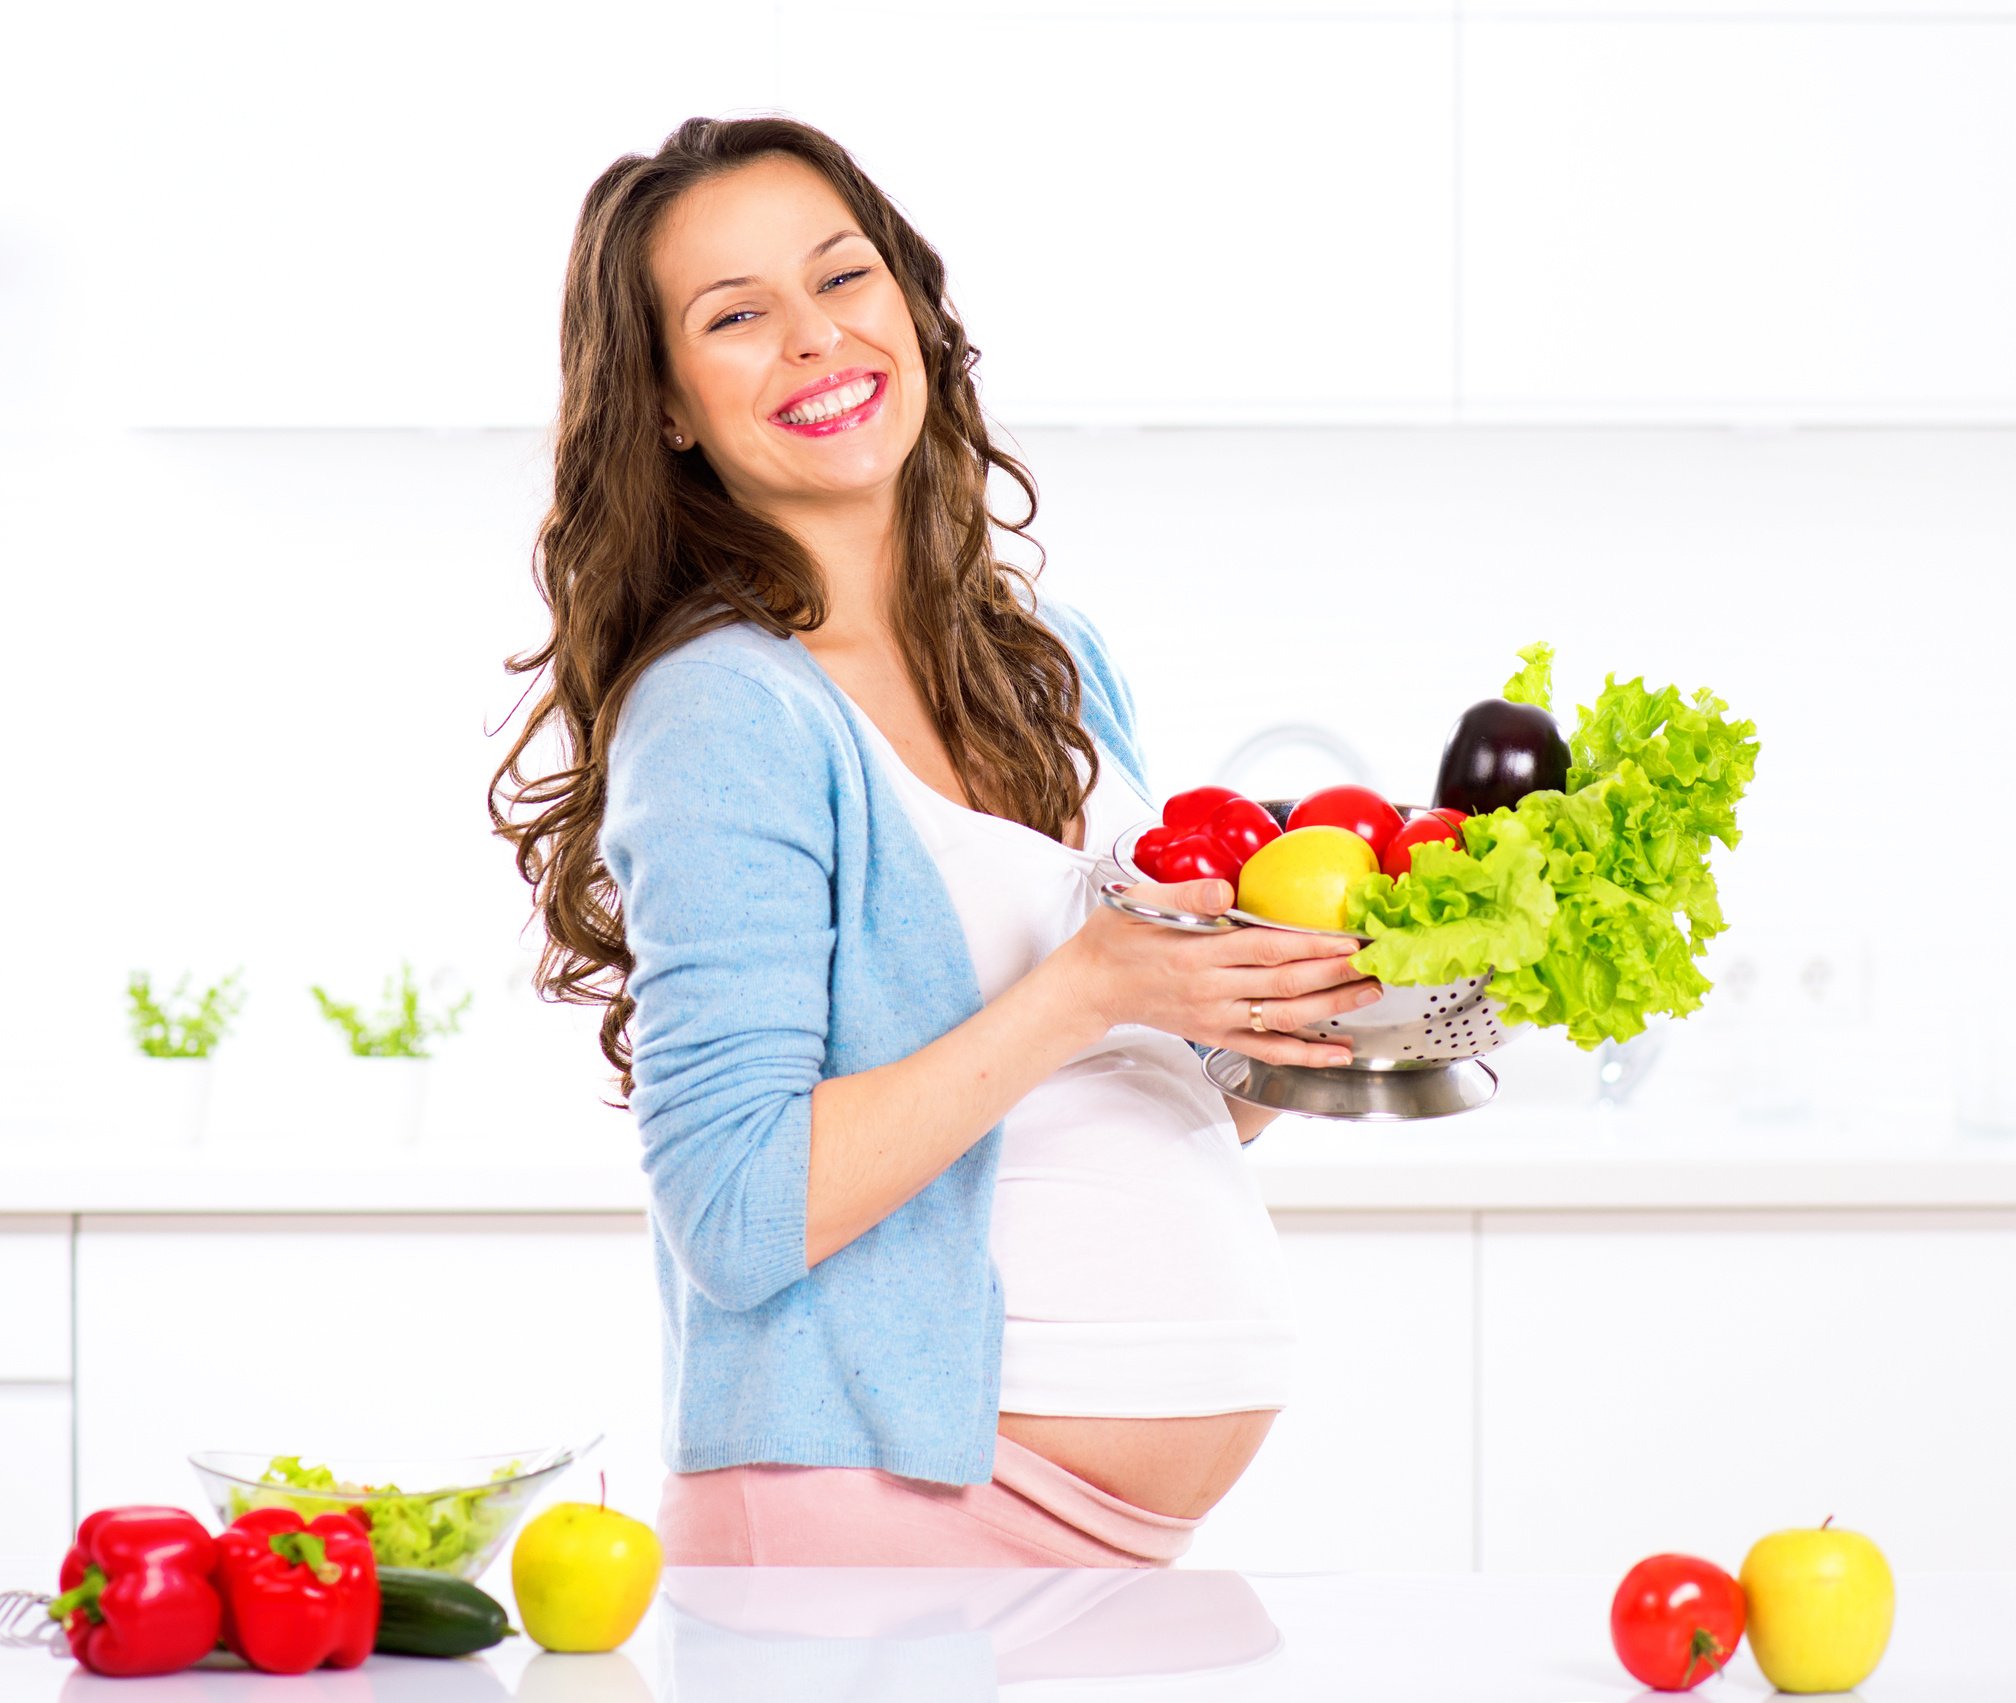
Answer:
(841, 422)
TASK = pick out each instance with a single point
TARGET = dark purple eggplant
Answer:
(1497, 753)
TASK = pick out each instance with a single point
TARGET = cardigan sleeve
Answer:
(718, 833)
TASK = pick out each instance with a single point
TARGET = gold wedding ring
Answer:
(1259, 1028)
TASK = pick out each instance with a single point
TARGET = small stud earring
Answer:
(677, 440)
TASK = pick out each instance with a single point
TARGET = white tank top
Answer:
(1142, 1275)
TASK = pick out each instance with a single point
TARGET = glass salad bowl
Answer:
(1414, 1050)
(445, 1514)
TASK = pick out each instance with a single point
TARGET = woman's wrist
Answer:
(1247, 1118)
(1072, 995)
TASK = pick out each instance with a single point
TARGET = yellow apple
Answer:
(1820, 1603)
(1301, 877)
(583, 1575)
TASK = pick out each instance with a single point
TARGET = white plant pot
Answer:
(1986, 1098)
(162, 1101)
(376, 1102)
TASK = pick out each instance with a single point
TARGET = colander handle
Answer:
(1114, 893)
(25, 1624)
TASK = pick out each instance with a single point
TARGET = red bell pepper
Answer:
(137, 1593)
(297, 1596)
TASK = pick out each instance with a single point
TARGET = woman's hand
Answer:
(1200, 986)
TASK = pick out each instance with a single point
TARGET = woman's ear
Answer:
(667, 426)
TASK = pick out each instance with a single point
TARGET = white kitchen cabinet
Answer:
(1112, 256)
(1738, 216)
(365, 1336)
(35, 1279)
(1371, 1465)
(1124, 242)
(1498, 211)
(1655, 1381)
(399, 1336)
(354, 218)
(1730, 10)
(1506, 1363)
(34, 1470)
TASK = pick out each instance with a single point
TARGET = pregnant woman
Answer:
(959, 1261)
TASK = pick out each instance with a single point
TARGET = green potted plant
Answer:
(383, 1092)
(185, 1032)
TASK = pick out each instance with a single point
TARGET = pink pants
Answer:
(1032, 1514)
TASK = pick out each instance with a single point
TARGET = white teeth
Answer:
(833, 402)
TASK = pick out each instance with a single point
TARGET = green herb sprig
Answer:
(161, 1032)
(401, 1027)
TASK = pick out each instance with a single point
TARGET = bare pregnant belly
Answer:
(1181, 1466)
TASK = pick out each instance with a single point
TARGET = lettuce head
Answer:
(1590, 905)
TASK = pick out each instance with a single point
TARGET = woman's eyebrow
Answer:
(737, 283)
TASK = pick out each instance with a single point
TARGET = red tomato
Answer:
(1358, 808)
(1148, 850)
(1241, 827)
(1438, 824)
(1675, 1620)
(1198, 857)
(1189, 809)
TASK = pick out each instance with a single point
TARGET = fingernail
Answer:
(1366, 996)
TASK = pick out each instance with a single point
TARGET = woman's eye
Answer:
(837, 278)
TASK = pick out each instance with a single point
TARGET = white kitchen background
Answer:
(1351, 347)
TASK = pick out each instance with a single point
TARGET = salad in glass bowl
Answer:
(445, 1514)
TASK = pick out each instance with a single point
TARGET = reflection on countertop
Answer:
(950, 1634)
(955, 1635)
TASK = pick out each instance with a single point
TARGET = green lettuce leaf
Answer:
(1454, 915)
(1575, 901)
(1533, 684)
(1698, 758)
(440, 1531)
(1622, 870)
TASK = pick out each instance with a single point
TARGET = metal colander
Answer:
(1414, 1051)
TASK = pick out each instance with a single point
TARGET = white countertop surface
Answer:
(1496, 1158)
(939, 1635)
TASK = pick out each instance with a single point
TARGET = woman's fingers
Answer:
(1286, 1049)
(1287, 981)
(1314, 1008)
(1301, 979)
(1311, 975)
(1282, 1015)
(1270, 947)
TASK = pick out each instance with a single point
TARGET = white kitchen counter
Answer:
(937, 1635)
(1494, 1159)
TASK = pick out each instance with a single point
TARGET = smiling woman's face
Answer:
(802, 309)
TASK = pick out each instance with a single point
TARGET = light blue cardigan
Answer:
(788, 925)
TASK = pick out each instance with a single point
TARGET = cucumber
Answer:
(435, 1614)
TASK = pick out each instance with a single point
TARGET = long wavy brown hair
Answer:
(642, 550)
